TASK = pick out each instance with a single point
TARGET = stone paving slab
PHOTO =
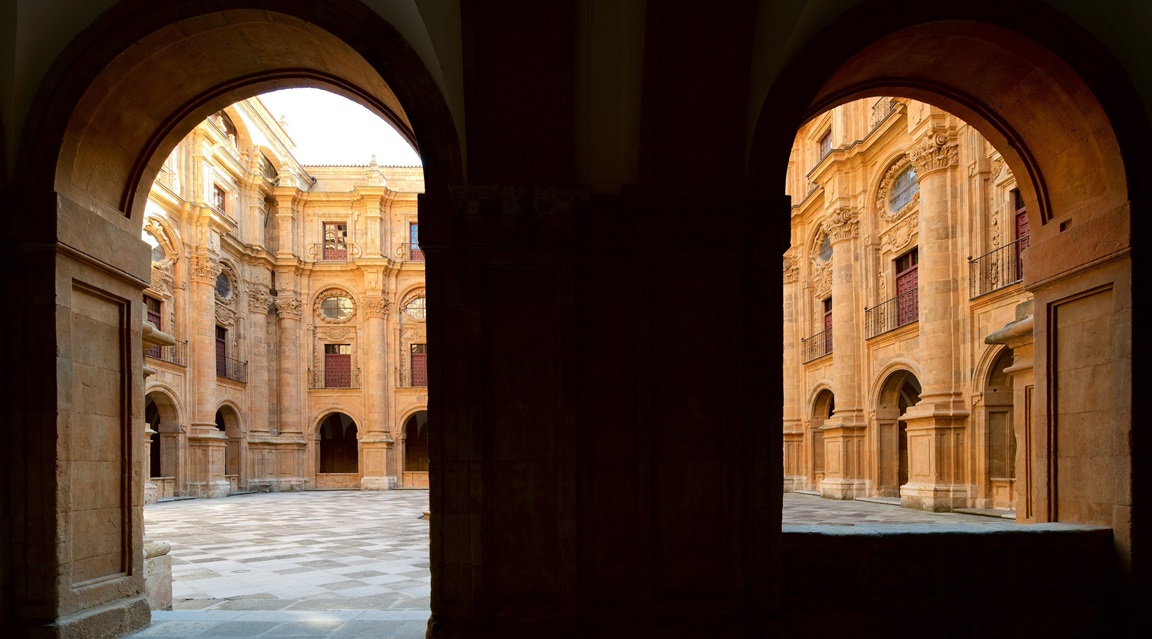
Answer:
(325, 565)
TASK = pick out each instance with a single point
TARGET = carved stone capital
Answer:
(376, 307)
(791, 269)
(258, 297)
(933, 153)
(842, 224)
(204, 269)
(288, 307)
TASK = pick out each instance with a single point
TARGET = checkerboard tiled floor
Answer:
(334, 564)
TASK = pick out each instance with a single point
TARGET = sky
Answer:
(330, 129)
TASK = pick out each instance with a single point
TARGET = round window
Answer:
(415, 308)
(223, 286)
(337, 308)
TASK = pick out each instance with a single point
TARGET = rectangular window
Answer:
(337, 366)
(414, 252)
(419, 364)
(907, 288)
(221, 351)
(153, 307)
(828, 325)
(335, 241)
(826, 144)
(219, 198)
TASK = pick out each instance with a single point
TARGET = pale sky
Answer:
(330, 129)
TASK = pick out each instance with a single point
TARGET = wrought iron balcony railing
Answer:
(232, 369)
(334, 378)
(815, 347)
(175, 354)
(996, 269)
(891, 314)
(880, 112)
(334, 254)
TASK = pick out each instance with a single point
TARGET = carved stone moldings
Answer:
(413, 306)
(157, 230)
(882, 193)
(934, 153)
(289, 307)
(376, 307)
(204, 269)
(842, 224)
(791, 269)
(822, 278)
(901, 235)
(328, 294)
(258, 296)
(225, 316)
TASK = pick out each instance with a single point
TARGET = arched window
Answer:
(904, 187)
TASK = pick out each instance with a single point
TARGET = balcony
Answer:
(996, 269)
(409, 252)
(345, 378)
(883, 108)
(176, 354)
(815, 347)
(232, 369)
(338, 254)
(902, 310)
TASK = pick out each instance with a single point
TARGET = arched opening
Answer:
(416, 450)
(164, 446)
(822, 409)
(997, 477)
(235, 448)
(900, 391)
(339, 452)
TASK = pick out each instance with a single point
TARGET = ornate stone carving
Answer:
(204, 269)
(882, 193)
(842, 224)
(791, 269)
(225, 316)
(329, 294)
(335, 333)
(899, 236)
(258, 296)
(881, 285)
(289, 307)
(376, 307)
(161, 281)
(157, 230)
(934, 153)
(822, 278)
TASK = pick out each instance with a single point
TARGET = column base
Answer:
(937, 498)
(377, 483)
(151, 493)
(843, 488)
(210, 489)
(792, 484)
(111, 620)
(158, 574)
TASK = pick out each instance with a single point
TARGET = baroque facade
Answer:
(906, 262)
(293, 298)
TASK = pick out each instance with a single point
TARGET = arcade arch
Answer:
(899, 391)
(414, 443)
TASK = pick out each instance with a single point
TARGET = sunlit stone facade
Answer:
(905, 269)
(295, 297)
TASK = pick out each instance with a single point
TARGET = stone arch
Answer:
(164, 416)
(414, 431)
(337, 435)
(821, 405)
(231, 424)
(1069, 124)
(80, 124)
(898, 389)
(994, 444)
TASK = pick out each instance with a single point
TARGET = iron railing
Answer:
(996, 269)
(319, 379)
(224, 214)
(232, 369)
(880, 112)
(175, 354)
(890, 315)
(815, 347)
(349, 252)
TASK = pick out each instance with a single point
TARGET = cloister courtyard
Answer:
(355, 563)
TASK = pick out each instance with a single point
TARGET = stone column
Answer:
(795, 473)
(207, 444)
(291, 443)
(844, 431)
(157, 563)
(1019, 336)
(259, 472)
(937, 478)
(375, 439)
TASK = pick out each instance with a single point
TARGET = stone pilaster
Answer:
(206, 444)
(937, 477)
(795, 473)
(291, 446)
(844, 431)
(375, 440)
(1019, 336)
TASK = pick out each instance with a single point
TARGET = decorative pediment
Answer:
(901, 235)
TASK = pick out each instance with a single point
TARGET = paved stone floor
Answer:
(336, 564)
